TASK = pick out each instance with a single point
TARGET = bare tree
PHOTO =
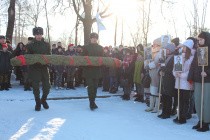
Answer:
(88, 19)
(34, 11)
(115, 33)
(146, 22)
(11, 20)
(48, 26)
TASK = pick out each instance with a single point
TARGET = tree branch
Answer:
(76, 11)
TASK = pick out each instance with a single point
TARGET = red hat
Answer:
(70, 45)
(4, 45)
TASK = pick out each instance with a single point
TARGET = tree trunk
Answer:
(87, 30)
(11, 20)
(76, 31)
(88, 22)
(115, 33)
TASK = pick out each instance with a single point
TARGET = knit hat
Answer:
(171, 47)
(157, 41)
(4, 45)
(188, 43)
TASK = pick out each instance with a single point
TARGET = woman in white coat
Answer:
(154, 67)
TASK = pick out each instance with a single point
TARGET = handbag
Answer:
(146, 80)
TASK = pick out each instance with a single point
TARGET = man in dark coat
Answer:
(5, 67)
(92, 74)
(2, 41)
(38, 72)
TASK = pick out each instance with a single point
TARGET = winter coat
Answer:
(184, 83)
(18, 52)
(37, 71)
(168, 80)
(59, 68)
(154, 74)
(70, 53)
(92, 72)
(5, 65)
(195, 71)
(113, 71)
(139, 66)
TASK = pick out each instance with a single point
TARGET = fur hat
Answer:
(157, 41)
(2, 37)
(171, 47)
(37, 31)
(94, 35)
(188, 43)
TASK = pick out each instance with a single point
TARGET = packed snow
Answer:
(70, 118)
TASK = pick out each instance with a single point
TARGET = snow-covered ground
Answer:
(72, 120)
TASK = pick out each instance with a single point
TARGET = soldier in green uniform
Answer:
(2, 41)
(92, 74)
(38, 72)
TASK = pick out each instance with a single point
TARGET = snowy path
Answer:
(72, 120)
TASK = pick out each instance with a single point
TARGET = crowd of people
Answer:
(148, 78)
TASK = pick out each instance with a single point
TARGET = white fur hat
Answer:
(188, 43)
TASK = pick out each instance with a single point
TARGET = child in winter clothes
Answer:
(127, 78)
(106, 71)
(5, 67)
(182, 83)
(59, 71)
(114, 74)
(139, 66)
(70, 69)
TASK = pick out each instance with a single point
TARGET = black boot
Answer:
(165, 116)
(140, 98)
(44, 103)
(71, 85)
(6, 86)
(68, 86)
(2, 87)
(38, 104)
(173, 112)
(196, 126)
(205, 127)
(93, 105)
(126, 97)
(180, 120)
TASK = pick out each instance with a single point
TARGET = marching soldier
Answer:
(38, 72)
(92, 74)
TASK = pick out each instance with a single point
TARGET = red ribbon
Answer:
(45, 59)
(88, 60)
(100, 61)
(22, 59)
(71, 60)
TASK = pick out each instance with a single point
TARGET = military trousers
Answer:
(92, 88)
